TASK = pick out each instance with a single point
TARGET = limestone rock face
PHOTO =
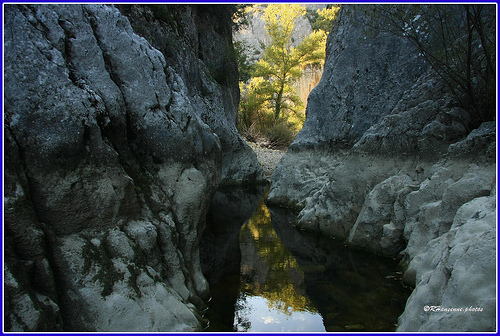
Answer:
(112, 156)
(362, 82)
(386, 162)
(456, 275)
(196, 41)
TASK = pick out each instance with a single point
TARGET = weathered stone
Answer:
(103, 294)
(113, 151)
(387, 161)
(119, 245)
(424, 122)
(363, 80)
(377, 228)
(329, 188)
(196, 41)
(457, 271)
(479, 141)
(431, 209)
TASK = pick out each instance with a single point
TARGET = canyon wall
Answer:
(118, 129)
(386, 162)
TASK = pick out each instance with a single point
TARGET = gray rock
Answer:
(480, 141)
(196, 41)
(386, 162)
(113, 152)
(377, 227)
(329, 189)
(99, 293)
(456, 285)
(363, 80)
(431, 209)
(119, 245)
(423, 122)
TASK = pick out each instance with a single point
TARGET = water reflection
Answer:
(352, 290)
(220, 251)
(273, 292)
(266, 276)
(253, 313)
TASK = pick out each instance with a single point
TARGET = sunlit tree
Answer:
(324, 18)
(270, 106)
(282, 62)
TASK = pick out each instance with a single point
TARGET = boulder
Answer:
(456, 275)
(380, 224)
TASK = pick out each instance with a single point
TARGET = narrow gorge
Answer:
(126, 182)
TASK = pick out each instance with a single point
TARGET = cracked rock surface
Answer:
(386, 162)
(111, 161)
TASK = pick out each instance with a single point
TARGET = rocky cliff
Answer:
(386, 163)
(113, 151)
(197, 44)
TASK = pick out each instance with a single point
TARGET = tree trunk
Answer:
(277, 108)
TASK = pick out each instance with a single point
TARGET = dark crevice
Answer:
(67, 52)
(184, 129)
(15, 158)
(107, 60)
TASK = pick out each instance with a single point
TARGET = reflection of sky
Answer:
(255, 314)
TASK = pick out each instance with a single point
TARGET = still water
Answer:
(265, 276)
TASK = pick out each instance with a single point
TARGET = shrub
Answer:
(281, 134)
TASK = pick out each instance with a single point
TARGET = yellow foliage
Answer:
(279, 288)
(270, 101)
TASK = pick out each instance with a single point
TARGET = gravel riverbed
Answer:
(267, 157)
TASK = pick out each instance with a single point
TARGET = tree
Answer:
(282, 62)
(458, 41)
(323, 19)
(252, 103)
(270, 106)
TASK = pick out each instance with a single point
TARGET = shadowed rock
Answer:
(112, 156)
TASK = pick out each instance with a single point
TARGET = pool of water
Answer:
(265, 276)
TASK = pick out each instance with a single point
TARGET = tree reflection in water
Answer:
(268, 269)
(270, 275)
(285, 280)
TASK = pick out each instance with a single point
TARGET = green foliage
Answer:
(269, 100)
(458, 41)
(252, 103)
(245, 63)
(325, 17)
(281, 134)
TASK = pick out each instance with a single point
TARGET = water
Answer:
(265, 276)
